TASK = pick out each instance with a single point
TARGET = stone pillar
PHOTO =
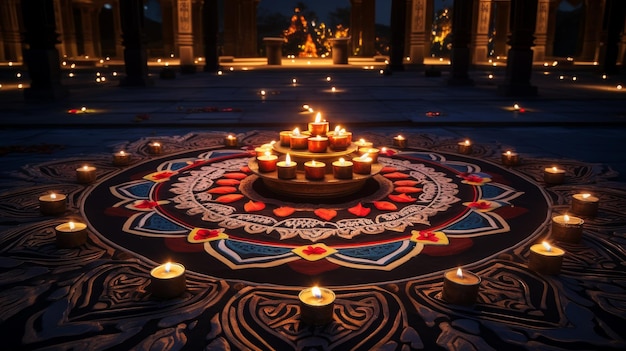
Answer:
(65, 18)
(614, 14)
(184, 36)
(553, 7)
(541, 30)
(197, 27)
(41, 55)
(356, 26)
(274, 50)
(88, 21)
(520, 57)
(420, 28)
(621, 57)
(591, 32)
(210, 26)
(247, 33)
(462, 14)
(169, 27)
(501, 14)
(119, 48)
(135, 55)
(480, 37)
(231, 25)
(368, 28)
(340, 50)
(10, 42)
(398, 35)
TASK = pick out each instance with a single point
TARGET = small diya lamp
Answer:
(263, 149)
(298, 141)
(285, 138)
(286, 169)
(231, 141)
(567, 228)
(314, 170)
(545, 258)
(86, 174)
(465, 147)
(585, 204)
(460, 287)
(362, 164)
(372, 152)
(70, 234)
(121, 158)
(510, 158)
(316, 305)
(318, 127)
(342, 169)
(267, 162)
(363, 144)
(339, 139)
(399, 141)
(168, 280)
(317, 144)
(52, 204)
(553, 175)
(155, 148)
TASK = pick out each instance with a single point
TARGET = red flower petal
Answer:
(385, 206)
(222, 190)
(146, 204)
(325, 214)
(252, 206)
(314, 250)
(239, 176)
(245, 169)
(407, 189)
(202, 234)
(473, 178)
(406, 183)
(225, 199)
(388, 169)
(402, 198)
(284, 211)
(481, 205)
(163, 175)
(428, 235)
(359, 210)
(228, 182)
(396, 175)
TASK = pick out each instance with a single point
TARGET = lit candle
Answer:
(121, 158)
(86, 174)
(567, 228)
(318, 127)
(362, 164)
(399, 141)
(465, 147)
(339, 139)
(553, 175)
(316, 305)
(287, 168)
(168, 280)
(230, 141)
(545, 258)
(585, 205)
(363, 144)
(285, 138)
(314, 170)
(460, 288)
(70, 234)
(318, 144)
(267, 162)
(155, 148)
(371, 152)
(342, 169)
(510, 158)
(297, 140)
(52, 204)
(265, 148)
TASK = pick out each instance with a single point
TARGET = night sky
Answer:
(322, 7)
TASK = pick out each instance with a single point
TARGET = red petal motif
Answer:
(402, 198)
(245, 169)
(252, 206)
(284, 211)
(407, 189)
(406, 183)
(325, 214)
(385, 206)
(146, 204)
(239, 176)
(203, 234)
(428, 235)
(222, 190)
(314, 250)
(225, 199)
(396, 175)
(481, 205)
(163, 175)
(228, 182)
(388, 169)
(359, 210)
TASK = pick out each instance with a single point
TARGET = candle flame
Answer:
(313, 163)
(316, 292)
(586, 196)
(508, 153)
(168, 267)
(305, 107)
(272, 143)
(342, 161)
(53, 196)
(72, 225)
(566, 218)
(400, 137)
(318, 117)
(459, 273)
(337, 129)
(85, 167)
(296, 132)
(156, 144)
(467, 142)
(554, 169)
(267, 153)
(364, 157)
(384, 150)
(230, 136)
(547, 246)
(288, 160)
(516, 106)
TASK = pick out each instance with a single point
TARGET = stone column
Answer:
(356, 26)
(185, 36)
(614, 14)
(87, 21)
(501, 14)
(119, 48)
(420, 27)
(398, 35)
(10, 34)
(592, 30)
(135, 55)
(520, 57)
(231, 25)
(462, 14)
(169, 27)
(541, 30)
(480, 38)
(41, 55)
(65, 19)
(210, 26)
(368, 48)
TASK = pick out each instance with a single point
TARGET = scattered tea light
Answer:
(262, 92)
(408, 58)
(555, 63)
(114, 74)
(64, 63)
(545, 64)
(604, 76)
(103, 79)
(18, 75)
(158, 60)
(167, 64)
(333, 89)
(516, 107)
(98, 80)
(294, 81)
(574, 78)
(20, 86)
(219, 73)
(171, 55)
(490, 76)
(232, 69)
(101, 61)
(10, 63)
(441, 59)
(619, 87)
(561, 77)
(595, 63)
(83, 109)
(328, 79)
(71, 75)
(73, 65)
(381, 71)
